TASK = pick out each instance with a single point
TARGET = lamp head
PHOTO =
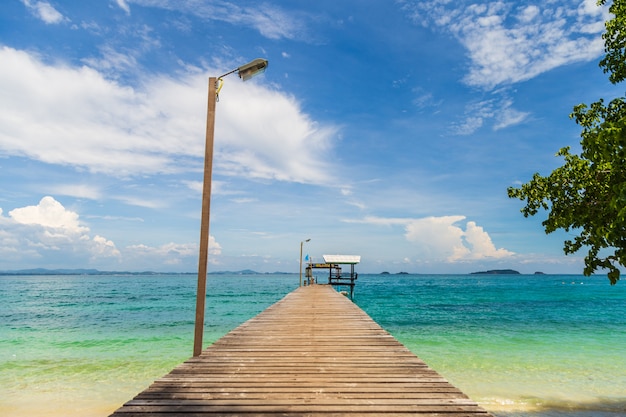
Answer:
(251, 69)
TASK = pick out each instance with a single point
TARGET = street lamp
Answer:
(245, 72)
(302, 244)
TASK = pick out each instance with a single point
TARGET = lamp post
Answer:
(245, 72)
(302, 244)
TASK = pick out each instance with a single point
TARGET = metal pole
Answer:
(204, 224)
(301, 243)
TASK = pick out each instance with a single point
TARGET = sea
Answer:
(519, 345)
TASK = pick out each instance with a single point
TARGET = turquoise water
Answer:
(522, 346)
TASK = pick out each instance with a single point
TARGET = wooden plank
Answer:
(312, 353)
(297, 413)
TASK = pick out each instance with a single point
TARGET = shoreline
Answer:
(82, 404)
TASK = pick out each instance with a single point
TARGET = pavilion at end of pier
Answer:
(338, 278)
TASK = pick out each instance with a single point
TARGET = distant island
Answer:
(80, 271)
(43, 271)
(497, 272)
(84, 271)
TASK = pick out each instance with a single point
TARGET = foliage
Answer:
(587, 194)
(614, 61)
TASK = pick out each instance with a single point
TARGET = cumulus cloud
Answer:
(104, 247)
(48, 213)
(443, 238)
(55, 236)
(75, 116)
(509, 42)
(439, 235)
(44, 11)
(49, 229)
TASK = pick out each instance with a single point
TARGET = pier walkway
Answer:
(314, 353)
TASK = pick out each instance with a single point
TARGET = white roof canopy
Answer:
(342, 259)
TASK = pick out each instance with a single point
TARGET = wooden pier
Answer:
(314, 353)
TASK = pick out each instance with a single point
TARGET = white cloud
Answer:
(133, 200)
(498, 110)
(49, 230)
(104, 247)
(44, 11)
(508, 116)
(171, 253)
(468, 126)
(124, 6)
(508, 43)
(528, 14)
(270, 20)
(77, 190)
(48, 213)
(55, 236)
(480, 244)
(170, 248)
(277, 141)
(441, 238)
(112, 61)
(439, 235)
(75, 116)
(244, 200)
(424, 99)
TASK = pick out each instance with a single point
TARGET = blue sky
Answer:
(386, 129)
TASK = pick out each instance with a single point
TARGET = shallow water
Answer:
(522, 346)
